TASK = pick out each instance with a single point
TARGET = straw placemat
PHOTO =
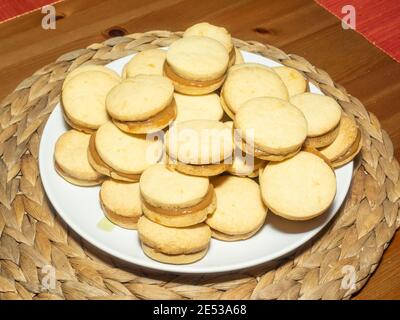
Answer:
(334, 265)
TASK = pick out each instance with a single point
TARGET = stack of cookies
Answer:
(192, 143)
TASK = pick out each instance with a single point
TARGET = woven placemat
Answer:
(334, 265)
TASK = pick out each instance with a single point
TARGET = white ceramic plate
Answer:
(80, 209)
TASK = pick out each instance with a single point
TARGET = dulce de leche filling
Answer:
(169, 72)
(96, 158)
(204, 203)
(156, 122)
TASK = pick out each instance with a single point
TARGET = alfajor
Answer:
(145, 62)
(347, 144)
(173, 245)
(206, 107)
(143, 104)
(71, 161)
(83, 99)
(120, 155)
(91, 67)
(121, 203)
(323, 114)
(240, 210)
(293, 80)
(205, 29)
(196, 65)
(243, 164)
(174, 199)
(299, 188)
(199, 147)
(247, 81)
(270, 128)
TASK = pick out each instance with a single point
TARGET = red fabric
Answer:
(376, 20)
(13, 8)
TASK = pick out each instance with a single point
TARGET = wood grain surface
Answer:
(296, 26)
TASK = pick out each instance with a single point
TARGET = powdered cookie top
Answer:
(207, 107)
(170, 189)
(271, 125)
(140, 97)
(205, 29)
(199, 142)
(293, 79)
(84, 96)
(198, 58)
(146, 62)
(322, 112)
(247, 81)
(124, 152)
(299, 188)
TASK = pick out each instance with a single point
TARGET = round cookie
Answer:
(248, 81)
(206, 107)
(204, 29)
(71, 162)
(196, 65)
(173, 245)
(143, 104)
(83, 99)
(272, 129)
(199, 147)
(293, 79)
(240, 210)
(299, 188)
(91, 67)
(347, 144)
(145, 62)
(120, 155)
(323, 114)
(121, 202)
(174, 199)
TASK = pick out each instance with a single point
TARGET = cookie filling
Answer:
(350, 153)
(152, 124)
(204, 170)
(203, 204)
(323, 140)
(265, 155)
(100, 166)
(190, 83)
(123, 221)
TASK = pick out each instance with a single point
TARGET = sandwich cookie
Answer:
(220, 34)
(120, 202)
(347, 144)
(271, 129)
(145, 62)
(323, 115)
(173, 245)
(299, 188)
(91, 67)
(71, 161)
(120, 155)
(293, 79)
(199, 147)
(143, 104)
(243, 164)
(247, 81)
(206, 107)
(174, 199)
(240, 210)
(83, 100)
(196, 65)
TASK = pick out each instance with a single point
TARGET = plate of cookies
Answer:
(197, 157)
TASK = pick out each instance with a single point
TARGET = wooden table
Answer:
(296, 26)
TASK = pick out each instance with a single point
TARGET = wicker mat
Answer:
(335, 265)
